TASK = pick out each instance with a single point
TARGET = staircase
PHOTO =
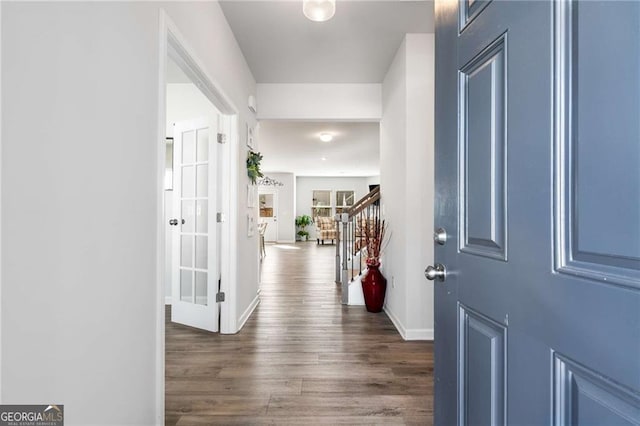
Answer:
(350, 259)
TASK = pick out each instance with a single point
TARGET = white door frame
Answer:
(173, 43)
(0, 198)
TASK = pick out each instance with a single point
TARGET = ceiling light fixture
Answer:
(319, 10)
(326, 137)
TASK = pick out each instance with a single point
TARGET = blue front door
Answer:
(538, 190)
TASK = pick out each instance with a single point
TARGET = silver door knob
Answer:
(173, 222)
(437, 272)
(440, 236)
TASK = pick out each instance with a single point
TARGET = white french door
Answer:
(195, 231)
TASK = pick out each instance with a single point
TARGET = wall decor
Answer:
(268, 181)
(251, 225)
(253, 166)
(251, 196)
(250, 139)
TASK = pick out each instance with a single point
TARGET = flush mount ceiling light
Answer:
(319, 10)
(326, 137)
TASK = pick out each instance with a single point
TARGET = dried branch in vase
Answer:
(375, 239)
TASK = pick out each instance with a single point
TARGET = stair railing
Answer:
(350, 243)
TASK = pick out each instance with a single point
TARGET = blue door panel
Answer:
(599, 182)
(538, 187)
(584, 397)
(482, 150)
(469, 9)
(481, 369)
(606, 88)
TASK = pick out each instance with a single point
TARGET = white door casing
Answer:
(172, 43)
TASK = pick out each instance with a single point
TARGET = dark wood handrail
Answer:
(364, 202)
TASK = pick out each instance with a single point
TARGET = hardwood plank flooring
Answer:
(301, 359)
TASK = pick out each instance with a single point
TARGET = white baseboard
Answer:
(396, 322)
(356, 296)
(419, 334)
(411, 333)
(247, 313)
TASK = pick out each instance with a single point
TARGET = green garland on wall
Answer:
(253, 166)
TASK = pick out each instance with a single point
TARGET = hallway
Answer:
(302, 358)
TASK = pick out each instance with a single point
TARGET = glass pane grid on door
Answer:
(195, 267)
(194, 237)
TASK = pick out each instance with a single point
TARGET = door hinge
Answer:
(219, 217)
(220, 297)
(222, 138)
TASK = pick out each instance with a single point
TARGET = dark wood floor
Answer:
(302, 358)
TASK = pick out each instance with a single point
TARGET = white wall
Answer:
(353, 102)
(373, 180)
(286, 205)
(393, 153)
(420, 182)
(306, 185)
(79, 202)
(406, 177)
(186, 102)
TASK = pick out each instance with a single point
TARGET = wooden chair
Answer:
(262, 228)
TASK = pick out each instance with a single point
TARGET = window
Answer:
(344, 200)
(327, 203)
(321, 206)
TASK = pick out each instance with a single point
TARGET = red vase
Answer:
(374, 287)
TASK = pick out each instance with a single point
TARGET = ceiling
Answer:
(295, 147)
(356, 46)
